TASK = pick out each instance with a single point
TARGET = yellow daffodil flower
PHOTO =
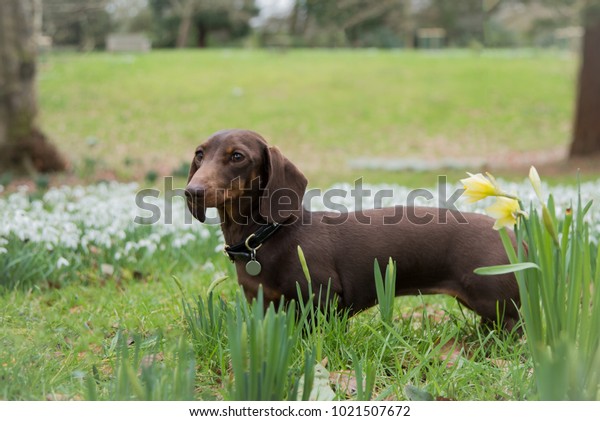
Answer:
(478, 187)
(505, 211)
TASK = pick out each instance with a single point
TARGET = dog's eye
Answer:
(199, 155)
(236, 157)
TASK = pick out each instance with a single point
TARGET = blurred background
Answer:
(88, 24)
(394, 90)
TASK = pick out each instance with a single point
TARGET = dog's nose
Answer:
(194, 191)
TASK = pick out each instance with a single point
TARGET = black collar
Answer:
(252, 242)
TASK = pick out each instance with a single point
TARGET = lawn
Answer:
(93, 306)
(322, 108)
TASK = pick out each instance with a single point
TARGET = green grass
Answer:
(322, 108)
(51, 339)
(54, 342)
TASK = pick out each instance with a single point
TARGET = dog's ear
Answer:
(282, 196)
(195, 204)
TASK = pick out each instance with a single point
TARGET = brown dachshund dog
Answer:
(258, 194)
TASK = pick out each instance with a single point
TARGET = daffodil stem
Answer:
(510, 196)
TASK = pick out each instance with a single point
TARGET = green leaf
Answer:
(502, 269)
(587, 207)
(303, 264)
(213, 284)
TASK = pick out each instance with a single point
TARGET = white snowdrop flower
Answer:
(209, 266)
(128, 247)
(62, 262)
(3, 250)
(103, 215)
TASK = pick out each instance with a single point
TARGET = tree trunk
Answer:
(23, 147)
(586, 129)
(202, 33)
(187, 13)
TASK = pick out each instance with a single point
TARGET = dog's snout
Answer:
(194, 191)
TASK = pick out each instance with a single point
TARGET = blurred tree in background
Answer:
(586, 130)
(23, 146)
(396, 23)
(81, 23)
(359, 23)
(85, 24)
(184, 23)
(313, 23)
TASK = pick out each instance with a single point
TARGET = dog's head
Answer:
(236, 165)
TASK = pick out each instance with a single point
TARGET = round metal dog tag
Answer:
(253, 268)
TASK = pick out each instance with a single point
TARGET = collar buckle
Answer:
(245, 249)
